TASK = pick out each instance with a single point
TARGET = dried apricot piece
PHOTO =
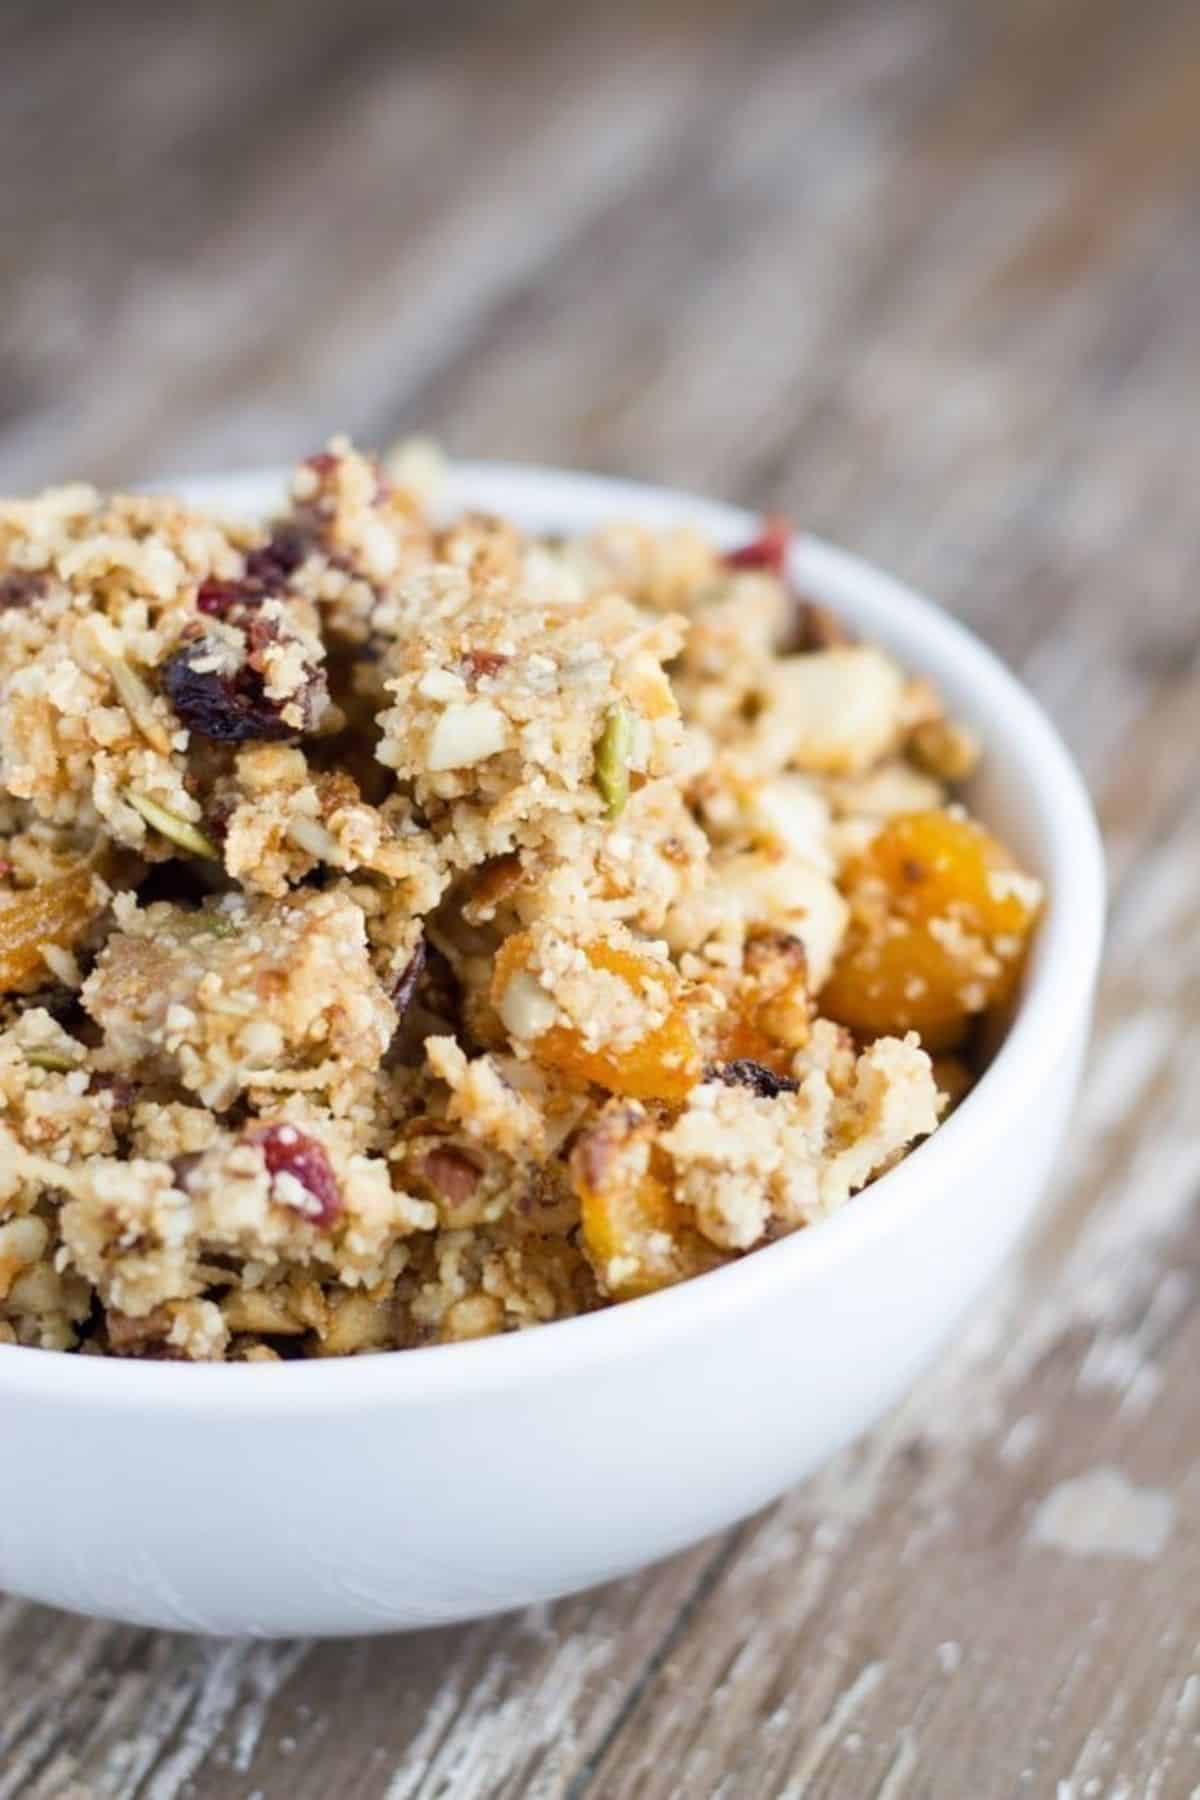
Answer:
(941, 917)
(636, 1236)
(768, 1013)
(55, 912)
(665, 1064)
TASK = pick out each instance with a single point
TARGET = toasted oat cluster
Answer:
(411, 930)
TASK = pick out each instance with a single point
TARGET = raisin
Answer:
(288, 1151)
(742, 1072)
(20, 587)
(273, 562)
(768, 551)
(219, 599)
(268, 570)
(233, 708)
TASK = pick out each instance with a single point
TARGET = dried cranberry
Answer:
(406, 984)
(279, 557)
(233, 708)
(221, 598)
(768, 551)
(451, 1175)
(288, 1151)
(742, 1072)
(20, 587)
(323, 463)
(476, 664)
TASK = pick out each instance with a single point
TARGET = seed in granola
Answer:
(189, 837)
(55, 1062)
(612, 759)
(220, 925)
(138, 702)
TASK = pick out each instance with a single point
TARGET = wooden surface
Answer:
(924, 275)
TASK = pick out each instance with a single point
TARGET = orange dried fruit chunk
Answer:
(55, 912)
(636, 1236)
(665, 1064)
(941, 916)
(768, 1012)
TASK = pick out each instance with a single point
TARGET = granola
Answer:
(411, 931)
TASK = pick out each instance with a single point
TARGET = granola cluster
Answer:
(411, 930)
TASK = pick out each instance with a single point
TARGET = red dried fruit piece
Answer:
(476, 664)
(289, 1151)
(221, 598)
(268, 569)
(768, 551)
(273, 562)
(233, 708)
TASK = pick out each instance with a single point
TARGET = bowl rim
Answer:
(1057, 988)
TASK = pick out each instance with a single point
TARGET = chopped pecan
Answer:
(288, 1151)
(451, 1174)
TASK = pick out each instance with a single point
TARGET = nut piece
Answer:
(467, 733)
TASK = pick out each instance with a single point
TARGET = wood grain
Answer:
(925, 276)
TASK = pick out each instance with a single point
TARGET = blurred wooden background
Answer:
(926, 276)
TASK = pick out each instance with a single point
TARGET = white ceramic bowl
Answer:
(446, 1483)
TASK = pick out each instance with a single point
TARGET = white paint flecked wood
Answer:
(924, 275)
